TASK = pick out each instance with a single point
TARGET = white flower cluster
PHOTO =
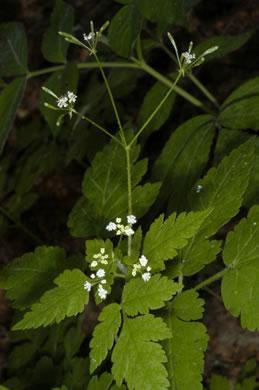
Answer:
(143, 261)
(100, 258)
(188, 57)
(89, 37)
(69, 98)
(121, 229)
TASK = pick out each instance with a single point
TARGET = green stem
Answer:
(127, 151)
(194, 79)
(112, 99)
(156, 109)
(119, 275)
(96, 125)
(210, 280)
(20, 226)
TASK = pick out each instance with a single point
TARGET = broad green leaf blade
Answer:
(124, 29)
(137, 357)
(139, 297)
(248, 384)
(164, 238)
(171, 12)
(77, 376)
(13, 49)
(28, 277)
(226, 44)
(240, 284)
(222, 188)
(186, 348)
(105, 192)
(153, 97)
(239, 111)
(104, 333)
(219, 382)
(182, 161)
(188, 306)
(10, 100)
(59, 82)
(54, 46)
(102, 383)
(72, 341)
(68, 299)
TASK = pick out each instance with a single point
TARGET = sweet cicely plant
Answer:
(149, 334)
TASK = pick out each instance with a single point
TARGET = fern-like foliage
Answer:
(240, 285)
(185, 349)
(68, 299)
(137, 357)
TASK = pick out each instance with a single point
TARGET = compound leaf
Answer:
(54, 46)
(68, 299)
(104, 333)
(28, 277)
(240, 284)
(13, 49)
(140, 297)
(10, 100)
(185, 349)
(137, 357)
(165, 237)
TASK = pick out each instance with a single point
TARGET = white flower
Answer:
(148, 269)
(146, 276)
(105, 262)
(188, 56)
(94, 264)
(118, 220)
(102, 292)
(92, 276)
(128, 231)
(131, 219)
(143, 260)
(100, 273)
(89, 36)
(102, 250)
(62, 102)
(103, 281)
(111, 226)
(71, 97)
(134, 273)
(87, 286)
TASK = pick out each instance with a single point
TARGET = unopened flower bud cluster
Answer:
(100, 259)
(138, 267)
(120, 228)
(64, 101)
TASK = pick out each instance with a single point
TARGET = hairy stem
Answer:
(210, 280)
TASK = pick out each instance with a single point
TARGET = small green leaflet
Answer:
(185, 349)
(104, 333)
(77, 376)
(54, 46)
(165, 237)
(219, 382)
(137, 357)
(222, 188)
(239, 111)
(28, 277)
(139, 297)
(68, 299)
(240, 284)
(102, 383)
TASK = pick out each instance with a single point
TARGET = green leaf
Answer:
(219, 382)
(222, 188)
(59, 82)
(186, 348)
(139, 297)
(54, 47)
(248, 384)
(102, 383)
(105, 192)
(68, 299)
(10, 100)
(182, 161)
(240, 284)
(77, 376)
(124, 29)
(28, 277)
(21, 355)
(226, 44)
(164, 238)
(104, 333)
(72, 341)
(171, 12)
(137, 357)
(239, 111)
(13, 49)
(150, 102)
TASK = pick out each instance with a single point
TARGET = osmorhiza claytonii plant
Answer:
(138, 270)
